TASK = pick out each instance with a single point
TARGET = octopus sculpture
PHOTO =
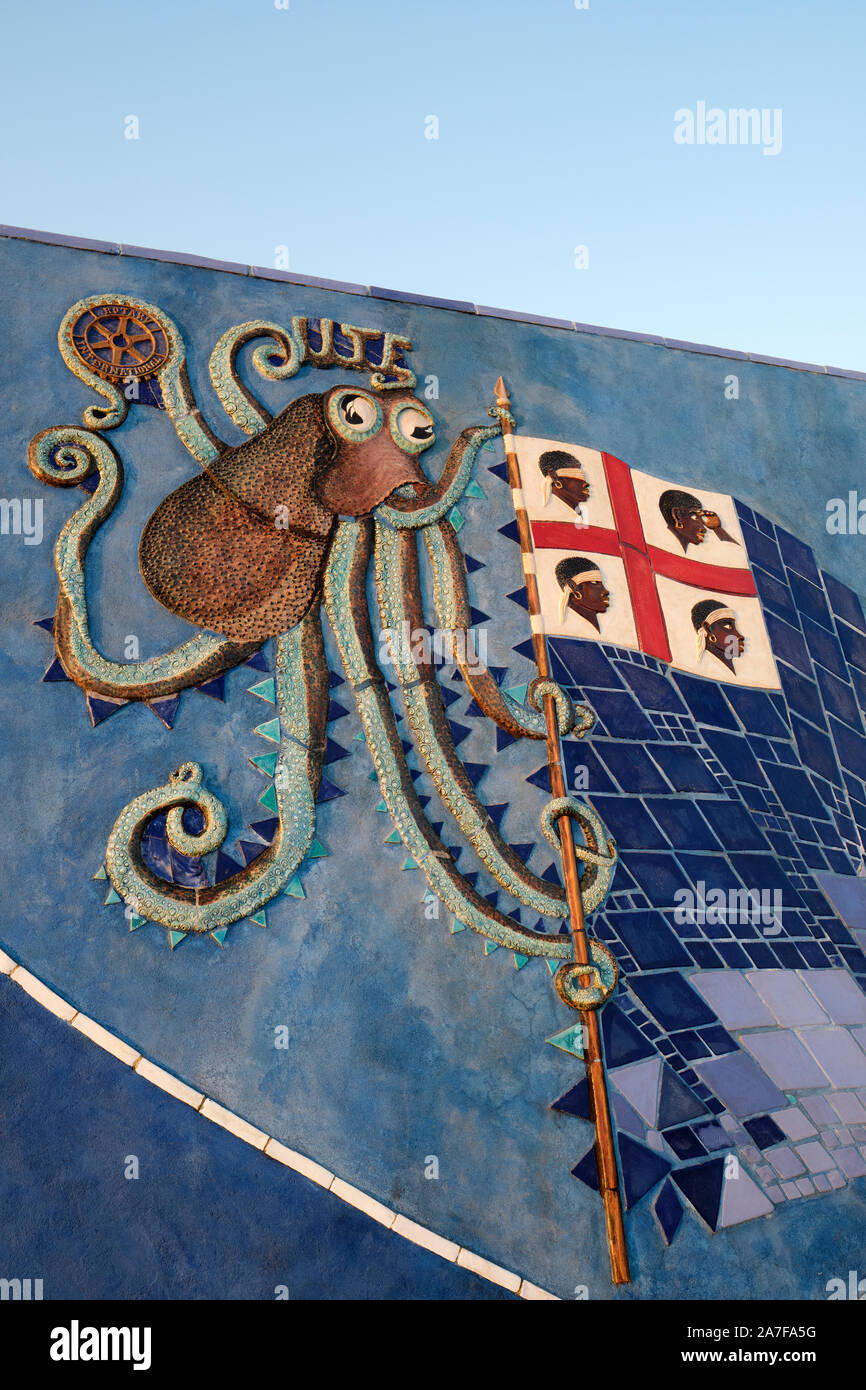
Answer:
(253, 547)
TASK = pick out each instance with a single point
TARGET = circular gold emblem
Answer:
(118, 342)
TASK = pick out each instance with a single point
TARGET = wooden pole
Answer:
(605, 1149)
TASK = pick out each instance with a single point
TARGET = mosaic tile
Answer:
(731, 996)
(837, 1053)
(818, 1110)
(794, 1123)
(701, 1185)
(671, 1000)
(639, 1084)
(764, 1131)
(786, 1163)
(837, 993)
(668, 1211)
(649, 939)
(815, 1157)
(805, 1187)
(851, 1162)
(786, 995)
(740, 1083)
(742, 1200)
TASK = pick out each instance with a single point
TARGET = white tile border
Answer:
(401, 1225)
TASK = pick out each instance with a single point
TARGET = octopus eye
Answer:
(357, 417)
(412, 429)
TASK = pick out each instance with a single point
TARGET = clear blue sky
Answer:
(305, 127)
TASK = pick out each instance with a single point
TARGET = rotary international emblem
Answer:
(117, 342)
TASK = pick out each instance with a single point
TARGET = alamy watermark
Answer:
(737, 126)
(22, 516)
(434, 647)
(754, 907)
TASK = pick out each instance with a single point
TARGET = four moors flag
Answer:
(625, 558)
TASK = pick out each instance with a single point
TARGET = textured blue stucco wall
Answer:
(405, 1041)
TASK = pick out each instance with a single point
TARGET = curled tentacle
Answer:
(398, 586)
(63, 457)
(346, 603)
(302, 701)
(178, 399)
(437, 501)
(566, 714)
(603, 975)
(248, 413)
(598, 873)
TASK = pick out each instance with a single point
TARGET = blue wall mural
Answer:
(735, 1041)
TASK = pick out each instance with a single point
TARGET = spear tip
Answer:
(501, 392)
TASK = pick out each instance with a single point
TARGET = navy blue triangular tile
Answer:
(677, 1104)
(510, 531)
(90, 483)
(101, 709)
(523, 851)
(423, 800)
(701, 1184)
(472, 564)
(157, 856)
(622, 1041)
(46, 623)
(250, 850)
(475, 771)
(669, 1210)
(540, 778)
(520, 596)
(525, 648)
(390, 684)
(437, 826)
(336, 710)
(477, 616)
(496, 813)
(334, 680)
(641, 1168)
(574, 1101)
(499, 470)
(55, 672)
(258, 661)
(491, 898)
(503, 739)
(327, 791)
(266, 829)
(187, 872)
(551, 874)
(498, 673)
(215, 688)
(472, 877)
(407, 745)
(225, 867)
(335, 751)
(449, 696)
(458, 732)
(587, 1170)
(474, 711)
(166, 709)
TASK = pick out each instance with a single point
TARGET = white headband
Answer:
(715, 615)
(585, 577)
(547, 487)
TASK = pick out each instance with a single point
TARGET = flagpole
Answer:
(605, 1150)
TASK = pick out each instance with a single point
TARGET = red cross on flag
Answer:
(625, 558)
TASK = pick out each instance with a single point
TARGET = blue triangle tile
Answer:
(46, 623)
(458, 731)
(517, 692)
(91, 483)
(498, 673)
(457, 674)
(327, 791)
(390, 684)
(317, 851)
(334, 680)
(472, 877)
(259, 919)
(266, 763)
(100, 709)
(474, 489)
(574, 1101)
(334, 751)
(701, 1184)
(586, 1171)
(55, 672)
(569, 1040)
(623, 1042)
(423, 800)
(499, 470)
(449, 696)
(187, 872)
(225, 867)
(503, 738)
(478, 616)
(266, 829)
(165, 710)
(265, 690)
(437, 826)
(520, 961)
(520, 596)
(175, 938)
(490, 947)
(216, 688)
(491, 898)
(101, 872)
(510, 531)
(642, 1169)
(258, 661)
(523, 850)
(219, 933)
(525, 648)
(113, 897)
(250, 850)
(677, 1104)
(540, 778)
(472, 564)
(336, 710)
(474, 711)
(496, 813)
(407, 745)
(669, 1211)
(551, 874)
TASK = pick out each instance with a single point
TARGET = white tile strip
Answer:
(242, 1129)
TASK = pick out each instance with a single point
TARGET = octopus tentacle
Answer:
(247, 412)
(437, 500)
(346, 604)
(398, 585)
(64, 456)
(302, 702)
(453, 608)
